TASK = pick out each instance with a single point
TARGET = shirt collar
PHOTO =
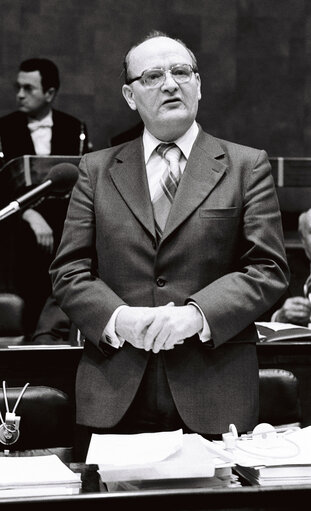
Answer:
(47, 121)
(185, 142)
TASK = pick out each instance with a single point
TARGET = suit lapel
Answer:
(24, 137)
(128, 173)
(201, 175)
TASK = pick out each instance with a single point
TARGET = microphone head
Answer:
(63, 177)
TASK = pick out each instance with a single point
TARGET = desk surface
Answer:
(93, 494)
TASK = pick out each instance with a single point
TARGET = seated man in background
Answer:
(34, 129)
(297, 309)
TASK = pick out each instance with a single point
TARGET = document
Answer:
(150, 456)
(285, 460)
(275, 331)
(36, 475)
(139, 449)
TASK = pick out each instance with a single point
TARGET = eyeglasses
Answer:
(155, 77)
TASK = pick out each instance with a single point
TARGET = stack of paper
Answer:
(36, 475)
(157, 460)
(285, 461)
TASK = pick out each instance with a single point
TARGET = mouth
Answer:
(172, 101)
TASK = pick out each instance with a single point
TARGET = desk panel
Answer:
(57, 367)
(93, 497)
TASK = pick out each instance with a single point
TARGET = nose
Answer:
(20, 92)
(169, 82)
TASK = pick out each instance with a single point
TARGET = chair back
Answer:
(46, 421)
(12, 309)
(279, 401)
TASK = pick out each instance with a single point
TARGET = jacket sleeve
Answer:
(235, 300)
(87, 300)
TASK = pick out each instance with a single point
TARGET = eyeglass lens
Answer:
(155, 77)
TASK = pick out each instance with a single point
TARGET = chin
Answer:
(170, 129)
(23, 109)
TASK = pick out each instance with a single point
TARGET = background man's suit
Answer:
(16, 139)
(24, 266)
(221, 248)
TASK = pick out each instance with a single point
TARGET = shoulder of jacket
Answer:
(12, 118)
(237, 148)
(58, 115)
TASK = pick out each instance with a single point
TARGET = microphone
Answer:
(9, 429)
(61, 178)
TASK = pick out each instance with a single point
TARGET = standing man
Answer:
(166, 288)
(36, 128)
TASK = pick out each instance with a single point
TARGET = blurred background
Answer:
(254, 61)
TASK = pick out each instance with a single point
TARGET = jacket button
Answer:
(154, 244)
(160, 282)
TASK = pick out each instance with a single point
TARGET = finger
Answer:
(152, 333)
(159, 344)
(171, 343)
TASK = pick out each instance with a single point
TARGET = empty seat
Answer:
(279, 397)
(46, 424)
(12, 309)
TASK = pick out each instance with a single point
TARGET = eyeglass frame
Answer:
(165, 71)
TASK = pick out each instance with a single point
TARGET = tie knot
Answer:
(170, 152)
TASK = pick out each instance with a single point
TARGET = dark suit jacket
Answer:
(24, 267)
(16, 139)
(222, 247)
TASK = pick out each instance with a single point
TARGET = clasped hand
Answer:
(158, 328)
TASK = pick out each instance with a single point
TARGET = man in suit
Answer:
(168, 309)
(297, 309)
(36, 128)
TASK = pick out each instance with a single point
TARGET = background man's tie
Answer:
(168, 185)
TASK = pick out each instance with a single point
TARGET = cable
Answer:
(269, 455)
(20, 397)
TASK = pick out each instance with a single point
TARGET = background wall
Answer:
(254, 61)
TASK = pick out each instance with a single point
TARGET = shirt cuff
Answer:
(109, 334)
(205, 334)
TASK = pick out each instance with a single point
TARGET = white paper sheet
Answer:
(191, 460)
(34, 471)
(124, 450)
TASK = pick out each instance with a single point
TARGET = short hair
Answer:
(153, 34)
(47, 69)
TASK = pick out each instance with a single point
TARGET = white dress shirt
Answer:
(41, 134)
(155, 166)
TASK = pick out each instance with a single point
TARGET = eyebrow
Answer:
(19, 84)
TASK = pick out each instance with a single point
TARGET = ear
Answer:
(198, 79)
(128, 94)
(50, 94)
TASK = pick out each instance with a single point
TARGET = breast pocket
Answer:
(220, 212)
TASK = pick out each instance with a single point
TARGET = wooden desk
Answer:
(94, 497)
(55, 366)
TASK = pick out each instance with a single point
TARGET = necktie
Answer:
(168, 185)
